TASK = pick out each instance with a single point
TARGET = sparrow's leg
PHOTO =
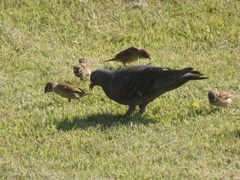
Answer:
(69, 100)
(130, 110)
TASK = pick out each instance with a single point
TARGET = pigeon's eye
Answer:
(93, 78)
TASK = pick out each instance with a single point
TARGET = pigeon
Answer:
(140, 85)
(130, 54)
(65, 90)
(220, 98)
(82, 70)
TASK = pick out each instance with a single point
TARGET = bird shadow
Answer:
(102, 121)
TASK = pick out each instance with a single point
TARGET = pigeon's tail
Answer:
(192, 75)
(186, 75)
(176, 79)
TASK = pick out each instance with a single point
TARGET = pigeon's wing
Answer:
(135, 81)
(139, 81)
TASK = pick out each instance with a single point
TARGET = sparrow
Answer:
(139, 85)
(65, 90)
(130, 54)
(82, 70)
(220, 98)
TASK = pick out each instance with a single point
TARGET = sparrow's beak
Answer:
(75, 69)
(91, 85)
(45, 90)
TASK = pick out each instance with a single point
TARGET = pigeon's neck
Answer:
(106, 81)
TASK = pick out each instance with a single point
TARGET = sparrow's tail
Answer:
(110, 60)
(91, 94)
(236, 96)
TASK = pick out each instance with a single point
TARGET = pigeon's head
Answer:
(144, 54)
(100, 77)
(49, 87)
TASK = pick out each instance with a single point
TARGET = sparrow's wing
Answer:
(69, 88)
(85, 66)
(225, 95)
(126, 53)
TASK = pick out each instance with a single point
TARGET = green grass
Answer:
(45, 137)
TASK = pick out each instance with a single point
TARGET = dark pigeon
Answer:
(140, 85)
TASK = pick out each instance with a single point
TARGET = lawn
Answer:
(180, 136)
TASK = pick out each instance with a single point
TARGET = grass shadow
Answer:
(102, 121)
(237, 133)
(202, 111)
(229, 134)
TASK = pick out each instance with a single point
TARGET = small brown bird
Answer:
(82, 70)
(130, 54)
(220, 98)
(65, 90)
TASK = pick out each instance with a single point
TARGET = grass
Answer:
(45, 137)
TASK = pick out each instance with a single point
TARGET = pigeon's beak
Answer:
(91, 85)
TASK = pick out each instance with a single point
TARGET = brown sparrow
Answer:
(220, 98)
(65, 90)
(130, 54)
(82, 70)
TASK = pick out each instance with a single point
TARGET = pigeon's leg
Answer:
(143, 108)
(130, 110)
